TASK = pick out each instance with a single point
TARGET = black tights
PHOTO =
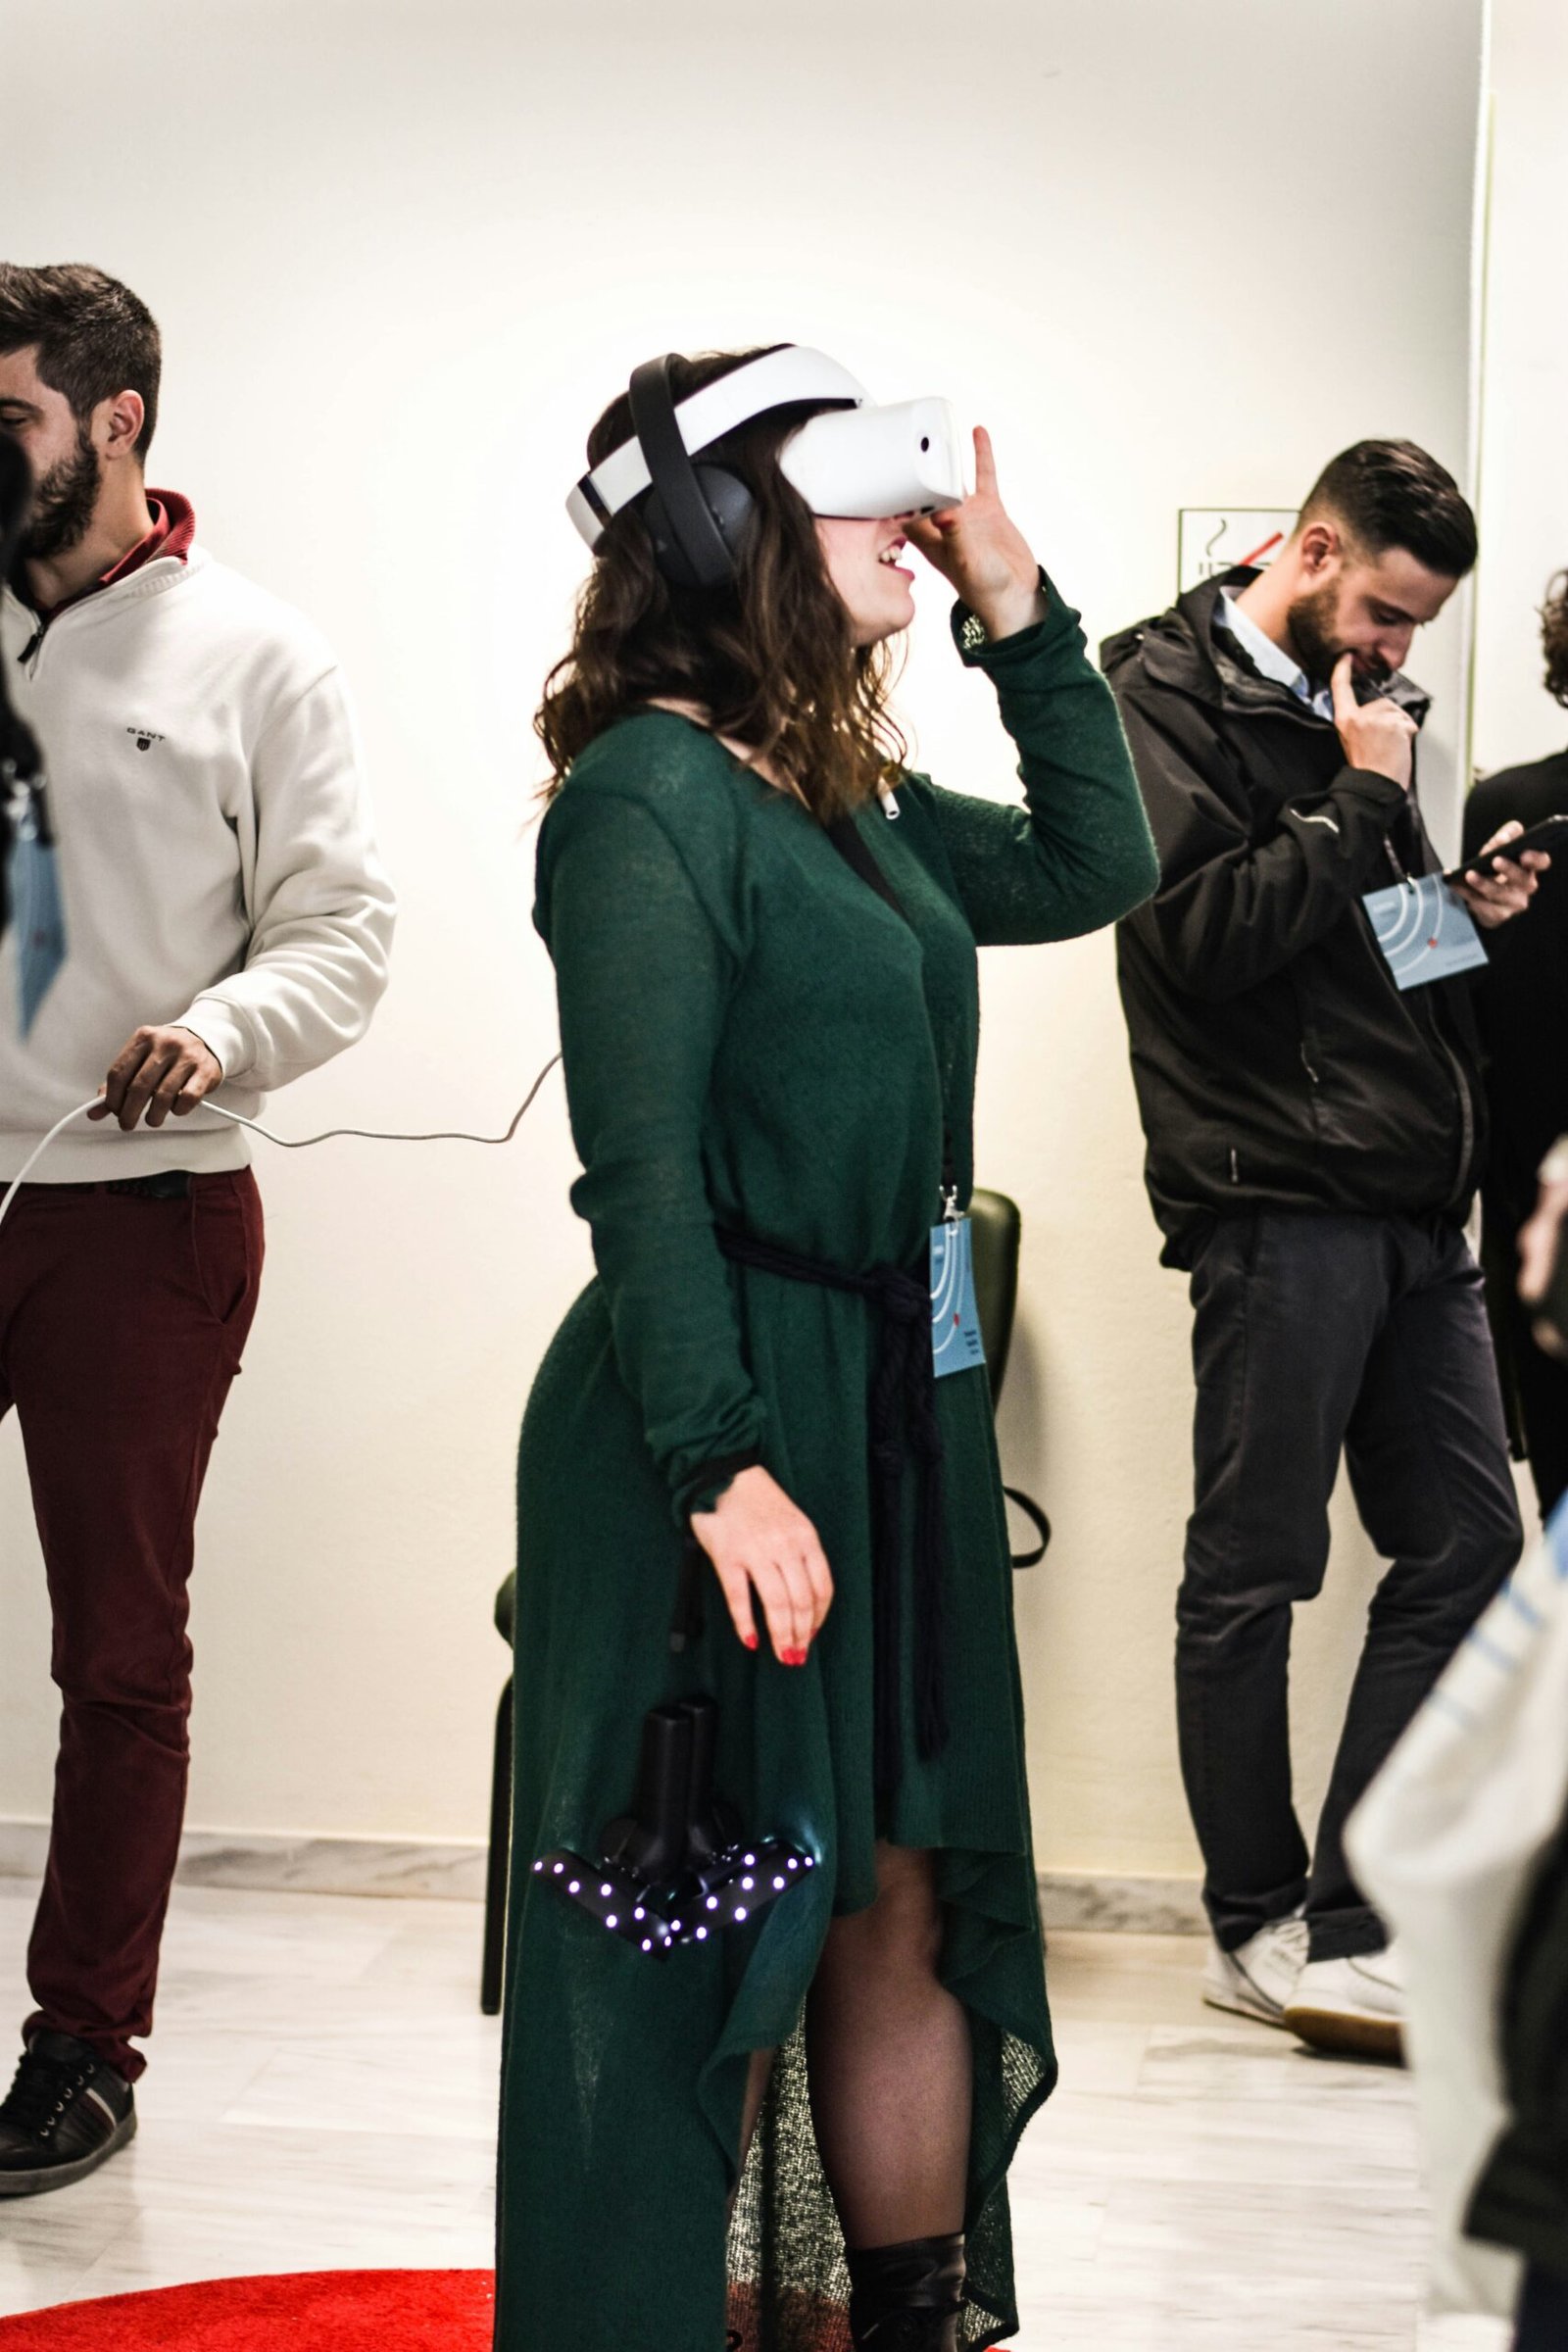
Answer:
(890, 2062)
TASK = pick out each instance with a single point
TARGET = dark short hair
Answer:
(1554, 638)
(1392, 494)
(94, 336)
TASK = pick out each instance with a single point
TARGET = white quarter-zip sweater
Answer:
(215, 859)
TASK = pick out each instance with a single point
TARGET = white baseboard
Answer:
(1127, 1906)
(265, 1862)
(455, 1871)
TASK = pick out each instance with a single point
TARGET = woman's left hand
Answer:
(981, 551)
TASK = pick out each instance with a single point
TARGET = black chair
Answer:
(997, 1234)
(498, 1856)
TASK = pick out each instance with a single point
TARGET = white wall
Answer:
(1524, 449)
(1172, 251)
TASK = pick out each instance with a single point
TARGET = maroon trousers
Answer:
(121, 1323)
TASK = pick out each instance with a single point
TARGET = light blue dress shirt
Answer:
(1269, 658)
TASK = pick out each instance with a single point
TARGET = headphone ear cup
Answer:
(730, 504)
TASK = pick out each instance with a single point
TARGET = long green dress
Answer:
(754, 1037)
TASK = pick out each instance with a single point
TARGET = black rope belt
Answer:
(903, 1414)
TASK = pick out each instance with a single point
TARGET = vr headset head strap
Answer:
(780, 378)
(705, 551)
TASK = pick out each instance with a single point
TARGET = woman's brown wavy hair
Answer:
(1554, 638)
(769, 659)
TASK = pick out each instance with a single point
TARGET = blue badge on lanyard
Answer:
(1423, 930)
(955, 1341)
(32, 893)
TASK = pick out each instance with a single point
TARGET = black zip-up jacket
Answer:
(1275, 1060)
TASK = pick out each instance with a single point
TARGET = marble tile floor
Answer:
(322, 2093)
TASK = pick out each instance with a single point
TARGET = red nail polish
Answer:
(750, 1641)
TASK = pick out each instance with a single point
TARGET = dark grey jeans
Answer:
(1313, 1334)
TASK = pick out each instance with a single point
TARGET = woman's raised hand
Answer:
(981, 551)
(759, 1542)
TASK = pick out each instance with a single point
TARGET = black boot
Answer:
(907, 2298)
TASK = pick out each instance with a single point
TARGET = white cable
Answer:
(38, 1151)
(290, 1142)
(376, 1135)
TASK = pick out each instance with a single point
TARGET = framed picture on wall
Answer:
(1212, 540)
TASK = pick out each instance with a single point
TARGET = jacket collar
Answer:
(172, 535)
(155, 578)
(1179, 649)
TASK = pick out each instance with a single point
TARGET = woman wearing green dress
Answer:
(763, 929)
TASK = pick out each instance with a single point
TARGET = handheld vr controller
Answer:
(677, 1868)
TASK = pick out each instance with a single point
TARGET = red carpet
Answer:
(311, 2311)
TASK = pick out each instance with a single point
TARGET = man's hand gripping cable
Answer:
(290, 1142)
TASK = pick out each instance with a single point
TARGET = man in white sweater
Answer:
(227, 926)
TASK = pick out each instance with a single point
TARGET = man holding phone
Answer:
(1304, 1046)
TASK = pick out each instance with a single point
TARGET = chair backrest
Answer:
(997, 1231)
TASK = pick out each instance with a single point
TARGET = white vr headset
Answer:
(856, 458)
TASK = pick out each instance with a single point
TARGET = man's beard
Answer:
(63, 503)
(1313, 623)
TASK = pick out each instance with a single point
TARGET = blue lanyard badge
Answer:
(33, 890)
(955, 1341)
(1423, 931)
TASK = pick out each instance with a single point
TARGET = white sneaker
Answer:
(1353, 2007)
(1258, 1978)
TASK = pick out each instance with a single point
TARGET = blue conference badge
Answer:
(1424, 931)
(37, 918)
(1558, 1538)
(955, 1341)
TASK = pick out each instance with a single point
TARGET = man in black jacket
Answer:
(1315, 1129)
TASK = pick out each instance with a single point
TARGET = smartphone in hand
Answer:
(1550, 836)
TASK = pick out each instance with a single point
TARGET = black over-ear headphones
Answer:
(696, 515)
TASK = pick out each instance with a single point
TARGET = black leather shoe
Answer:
(907, 2298)
(66, 2112)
